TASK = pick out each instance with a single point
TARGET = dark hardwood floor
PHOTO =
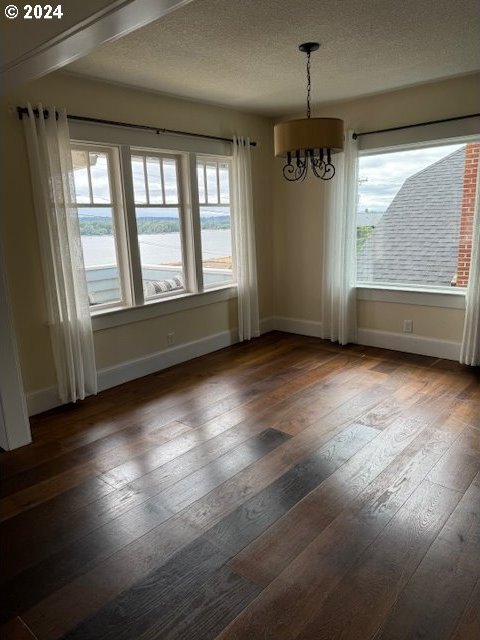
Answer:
(282, 489)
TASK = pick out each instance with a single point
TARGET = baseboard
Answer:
(47, 398)
(42, 400)
(409, 343)
(406, 342)
(139, 367)
(296, 325)
(267, 325)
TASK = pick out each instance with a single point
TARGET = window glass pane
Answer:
(154, 181)
(224, 184)
(80, 175)
(216, 245)
(170, 177)
(138, 176)
(212, 187)
(99, 172)
(414, 216)
(100, 254)
(201, 183)
(160, 250)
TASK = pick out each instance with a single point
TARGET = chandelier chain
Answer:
(309, 85)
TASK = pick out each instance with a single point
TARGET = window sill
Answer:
(445, 298)
(117, 317)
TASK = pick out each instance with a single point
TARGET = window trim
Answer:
(105, 319)
(134, 306)
(217, 159)
(180, 205)
(454, 299)
(404, 292)
(117, 206)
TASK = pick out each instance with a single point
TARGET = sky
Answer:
(207, 180)
(382, 175)
(380, 178)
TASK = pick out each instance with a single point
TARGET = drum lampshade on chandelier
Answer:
(309, 142)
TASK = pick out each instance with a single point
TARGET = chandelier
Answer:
(309, 142)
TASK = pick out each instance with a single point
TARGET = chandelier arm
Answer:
(329, 171)
(294, 172)
(289, 171)
(318, 168)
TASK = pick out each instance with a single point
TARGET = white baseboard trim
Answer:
(296, 325)
(267, 325)
(42, 400)
(406, 342)
(139, 367)
(47, 398)
(409, 343)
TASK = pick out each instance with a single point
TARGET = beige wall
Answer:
(298, 211)
(433, 322)
(116, 345)
(288, 217)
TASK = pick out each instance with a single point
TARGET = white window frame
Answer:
(134, 307)
(182, 216)
(205, 158)
(403, 293)
(118, 221)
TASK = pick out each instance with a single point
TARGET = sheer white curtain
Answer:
(338, 305)
(244, 240)
(470, 351)
(48, 144)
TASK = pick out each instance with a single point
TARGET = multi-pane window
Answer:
(213, 178)
(157, 210)
(99, 208)
(151, 226)
(415, 216)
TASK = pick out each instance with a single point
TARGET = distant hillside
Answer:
(102, 226)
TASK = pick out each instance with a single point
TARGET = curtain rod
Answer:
(144, 127)
(412, 126)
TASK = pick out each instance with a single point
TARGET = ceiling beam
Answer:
(115, 21)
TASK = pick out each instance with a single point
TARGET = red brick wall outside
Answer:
(466, 218)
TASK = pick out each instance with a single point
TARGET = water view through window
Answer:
(157, 199)
(94, 195)
(213, 180)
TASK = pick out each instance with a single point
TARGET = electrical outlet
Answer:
(170, 339)
(408, 326)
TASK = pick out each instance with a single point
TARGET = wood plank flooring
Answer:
(284, 489)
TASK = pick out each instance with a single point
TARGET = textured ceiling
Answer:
(243, 53)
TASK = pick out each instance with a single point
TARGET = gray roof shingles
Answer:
(416, 241)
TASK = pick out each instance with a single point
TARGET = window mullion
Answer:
(191, 226)
(120, 239)
(145, 176)
(162, 179)
(90, 189)
(218, 182)
(204, 165)
(131, 228)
